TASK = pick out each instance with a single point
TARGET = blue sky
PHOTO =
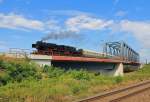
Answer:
(22, 22)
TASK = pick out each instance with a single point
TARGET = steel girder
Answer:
(121, 50)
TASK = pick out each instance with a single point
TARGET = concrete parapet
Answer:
(41, 59)
(44, 57)
(15, 55)
(42, 62)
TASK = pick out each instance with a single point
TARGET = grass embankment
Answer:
(24, 81)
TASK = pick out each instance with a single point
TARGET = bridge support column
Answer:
(116, 71)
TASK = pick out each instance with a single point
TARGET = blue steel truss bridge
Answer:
(121, 50)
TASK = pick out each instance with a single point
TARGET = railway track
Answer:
(119, 94)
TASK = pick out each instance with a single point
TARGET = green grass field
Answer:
(23, 81)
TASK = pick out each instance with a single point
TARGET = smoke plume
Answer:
(61, 35)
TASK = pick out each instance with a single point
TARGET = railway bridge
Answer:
(117, 58)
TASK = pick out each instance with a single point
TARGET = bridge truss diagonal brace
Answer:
(122, 50)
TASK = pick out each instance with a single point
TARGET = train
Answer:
(44, 48)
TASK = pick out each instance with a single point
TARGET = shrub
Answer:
(79, 75)
(53, 72)
(46, 68)
(1, 62)
(75, 89)
(4, 79)
(18, 71)
(22, 71)
(118, 79)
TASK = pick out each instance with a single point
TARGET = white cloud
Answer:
(141, 30)
(13, 21)
(84, 22)
(52, 25)
(76, 23)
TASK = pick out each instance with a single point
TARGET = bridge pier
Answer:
(117, 71)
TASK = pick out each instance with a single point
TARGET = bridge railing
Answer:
(19, 53)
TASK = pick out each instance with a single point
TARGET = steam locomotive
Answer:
(54, 49)
(45, 48)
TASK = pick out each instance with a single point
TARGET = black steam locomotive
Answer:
(54, 49)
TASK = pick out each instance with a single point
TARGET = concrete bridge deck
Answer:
(86, 59)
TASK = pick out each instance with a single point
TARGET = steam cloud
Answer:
(61, 35)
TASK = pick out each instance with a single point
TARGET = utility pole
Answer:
(146, 62)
